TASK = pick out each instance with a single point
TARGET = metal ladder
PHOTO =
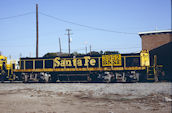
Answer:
(150, 73)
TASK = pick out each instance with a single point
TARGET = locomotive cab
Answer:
(6, 70)
(144, 58)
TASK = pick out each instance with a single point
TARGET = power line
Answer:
(62, 20)
(10, 17)
(86, 26)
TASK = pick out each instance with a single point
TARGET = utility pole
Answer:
(10, 57)
(30, 54)
(68, 33)
(90, 49)
(20, 55)
(156, 28)
(37, 30)
(60, 46)
(85, 49)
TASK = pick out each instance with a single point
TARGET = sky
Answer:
(107, 25)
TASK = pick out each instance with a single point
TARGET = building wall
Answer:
(164, 58)
(152, 41)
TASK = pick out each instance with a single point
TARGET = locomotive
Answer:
(132, 67)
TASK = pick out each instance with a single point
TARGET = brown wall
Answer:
(152, 41)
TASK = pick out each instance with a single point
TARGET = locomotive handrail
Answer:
(80, 69)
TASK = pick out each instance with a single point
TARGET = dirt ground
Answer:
(86, 98)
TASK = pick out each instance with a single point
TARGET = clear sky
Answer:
(103, 24)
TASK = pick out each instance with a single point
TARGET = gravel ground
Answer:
(86, 98)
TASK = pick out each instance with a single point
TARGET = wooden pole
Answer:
(60, 46)
(68, 33)
(37, 30)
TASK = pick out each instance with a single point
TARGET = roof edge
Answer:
(155, 32)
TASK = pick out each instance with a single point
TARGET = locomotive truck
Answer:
(132, 67)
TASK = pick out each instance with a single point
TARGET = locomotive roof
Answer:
(125, 54)
(60, 57)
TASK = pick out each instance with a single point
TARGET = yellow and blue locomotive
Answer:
(88, 68)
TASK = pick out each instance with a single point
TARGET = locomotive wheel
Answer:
(25, 79)
(2, 76)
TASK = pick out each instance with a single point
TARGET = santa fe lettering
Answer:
(58, 62)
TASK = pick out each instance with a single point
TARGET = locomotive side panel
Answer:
(91, 68)
(49, 63)
(39, 64)
(85, 63)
